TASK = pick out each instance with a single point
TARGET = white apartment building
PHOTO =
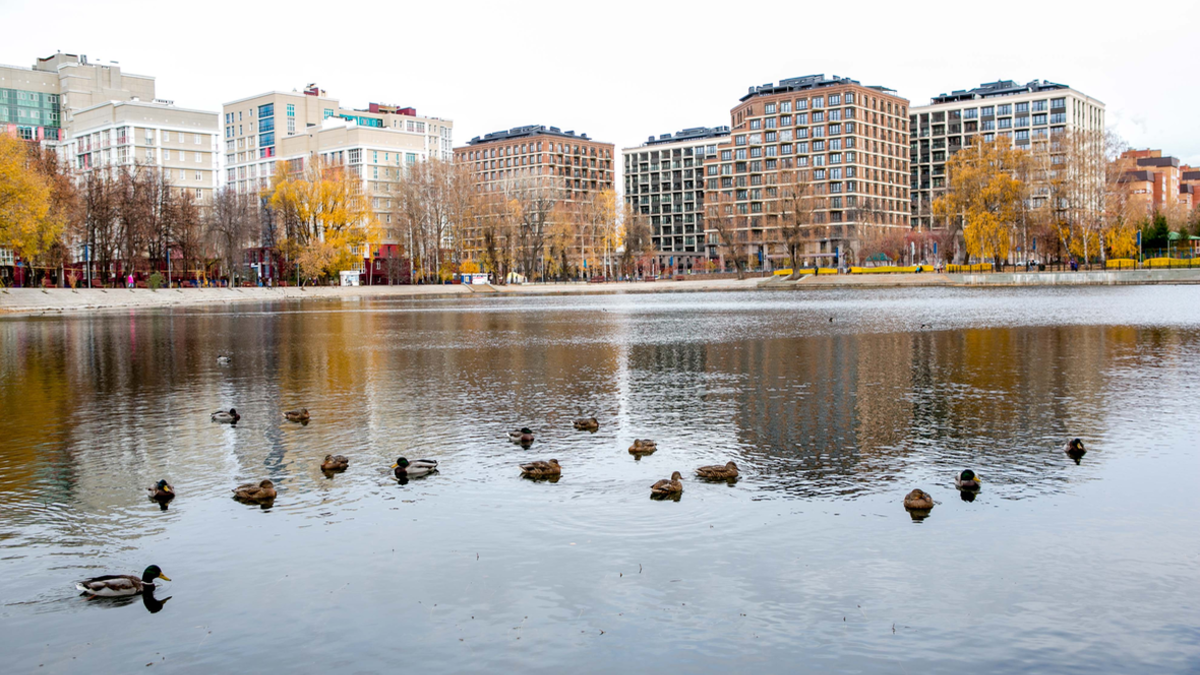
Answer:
(1027, 113)
(179, 142)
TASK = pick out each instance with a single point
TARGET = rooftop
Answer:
(526, 131)
(1157, 161)
(692, 134)
(801, 84)
(997, 88)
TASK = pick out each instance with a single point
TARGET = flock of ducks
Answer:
(919, 503)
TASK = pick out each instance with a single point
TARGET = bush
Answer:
(155, 281)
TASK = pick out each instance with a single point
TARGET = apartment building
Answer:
(1029, 114)
(179, 142)
(261, 130)
(823, 156)
(558, 165)
(664, 183)
(1159, 183)
(39, 103)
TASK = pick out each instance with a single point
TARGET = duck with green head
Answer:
(230, 416)
(967, 480)
(417, 467)
(1075, 449)
(522, 436)
(121, 585)
(162, 492)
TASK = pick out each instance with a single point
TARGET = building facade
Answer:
(39, 103)
(1159, 183)
(178, 142)
(664, 183)
(261, 130)
(1029, 114)
(537, 162)
(816, 165)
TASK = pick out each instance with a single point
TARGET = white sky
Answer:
(621, 71)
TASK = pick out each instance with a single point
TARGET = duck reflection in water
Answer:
(968, 495)
(153, 604)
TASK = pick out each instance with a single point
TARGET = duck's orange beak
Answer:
(164, 577)
(395, 465)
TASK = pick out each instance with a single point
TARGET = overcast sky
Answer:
(621, 71)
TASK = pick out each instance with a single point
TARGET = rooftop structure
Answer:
(997, 88)
(525, 132)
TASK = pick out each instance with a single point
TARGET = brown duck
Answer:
(918, 500)
(668, 487)
(540, 469)
(587, 424)
(300, 415)
(263, 492)
(335, 463)
(718, 472)
(643, 446)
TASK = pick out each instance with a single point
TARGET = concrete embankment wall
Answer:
(1095, 278)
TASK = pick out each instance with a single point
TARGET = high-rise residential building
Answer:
(561, 167)
(179, 142)
(664, 183)
(38, 103)
(1027, 113)
(267, 128)
(823, 159)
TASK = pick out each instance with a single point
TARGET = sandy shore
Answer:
(34, 301)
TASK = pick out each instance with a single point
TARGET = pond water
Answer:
(833, 404)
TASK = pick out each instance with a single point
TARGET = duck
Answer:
(335, 463)
(718, 472)
(1075, 450)
(162, 492)
(524, 436)
(643, 446)
(587, 424)
(300, 415)
(122, 585)
(918, 500)
(263, 492)
(417, 467)
(224, 359)
(230, 416)
(540, 469)
(967, 480)
(668, 487)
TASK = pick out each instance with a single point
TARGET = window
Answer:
(1023, 107)
(769, 109)
(739, 140)
(167, 155)
(1039, 106)
(197, 139)
(801, 104)
(167, 137)
(266, 140)
(818, 117)
(1005, 109)
(971, 113)
(726, 155)
(741, 154)
(1022, 134)
(1058, 118)
(1058, 103)
(785, 106)
(755, 124)
(1039, 119)
(199, 176)
(266, 110)
(266, 124)
(835, 99)
(989, 111)
(818, 102)
(849, 99)
(1005, 122)
(199, 156)
(1022, 121)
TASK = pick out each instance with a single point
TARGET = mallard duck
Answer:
(643, 446)
(121, 585)
(162, 492)
(967, 480)
(263, 492)
(668, 487)
(718, 472)
(540, 469)
(524, 436)
(335, 463)
(918, 500)
(587, 424)
(224, 359)
(230, 416)
(300, 415)
(417, 467)
(1075, 450)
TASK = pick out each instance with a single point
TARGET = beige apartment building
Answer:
(826, 157)
(1030, 114)
(259, 131)
(179, 142)
(557, 166)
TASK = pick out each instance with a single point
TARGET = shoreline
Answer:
(16, 302)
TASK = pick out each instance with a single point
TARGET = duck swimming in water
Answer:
(162, 492)
(540, 469)
(418, 467)
(121, 585)
(263, 492)
(918, 500)
(643, 446)
(300, 415)
(230, 416)
(718, 472)
(967, 480)
(1075, 449)
(587, 424)
(668, 487)
(335, 463)
(522, 436)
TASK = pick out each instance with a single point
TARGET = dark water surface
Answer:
(808, 563)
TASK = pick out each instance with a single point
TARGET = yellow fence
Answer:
(891, 269)
(979, 267)
(1171, 262)
(1120, 264)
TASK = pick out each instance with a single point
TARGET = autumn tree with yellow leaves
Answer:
(37, 199)
(326, 219)
(986, 194)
